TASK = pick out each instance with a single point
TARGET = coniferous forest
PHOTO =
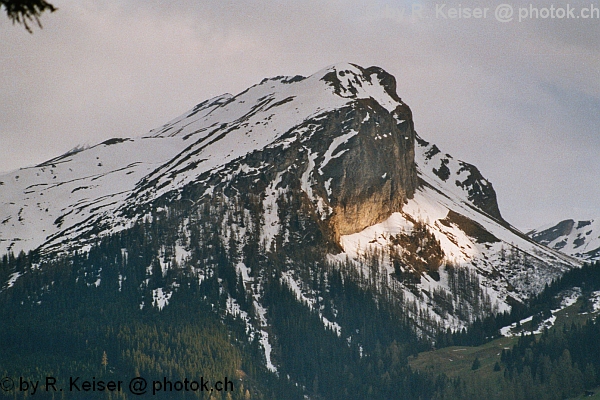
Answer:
(97, 315)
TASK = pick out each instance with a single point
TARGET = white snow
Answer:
(71, 195)
(348, 75)
(431, 205)
(182, 253)
(270, 211)
(357, 244)
(335, 143)
(595, 298)
(264, 340)
(65, 197)
(264, 336)
(160, 298)
(233, 308)
(328, 186)
(583, 238)
(48, 199)
(288, 279)
(546, 324)
(306, 182)
(506, 330)
(12, 279)
(569, 297)
(244, 271)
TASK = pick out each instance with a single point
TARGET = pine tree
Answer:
(589, 376)
(104, 360)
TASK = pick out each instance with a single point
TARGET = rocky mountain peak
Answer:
(580, 239)
(353, 81)
(367, 167)
(289, 199)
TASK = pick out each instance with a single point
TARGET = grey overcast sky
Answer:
(519, 99)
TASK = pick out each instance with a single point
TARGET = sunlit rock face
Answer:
(376, 172)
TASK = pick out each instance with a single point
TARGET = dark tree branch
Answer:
(26, 11)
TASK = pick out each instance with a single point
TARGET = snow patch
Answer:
(160, 298)
(264, 336)
(12, 279)
(569, 297)
(335, 143)
(288, 279)
(595, 299)
(272, 224)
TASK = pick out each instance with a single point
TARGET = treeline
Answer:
(75, 328)
(369, 357)
(562, 363)
(95, 314)
(484, 330)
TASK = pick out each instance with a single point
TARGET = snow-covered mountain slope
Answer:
(41, 203)
(71, 194)
(459, 207)
(331, 161)
(579, 239)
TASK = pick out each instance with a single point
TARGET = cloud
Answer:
(519, 100)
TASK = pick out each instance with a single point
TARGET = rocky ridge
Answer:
(579, 239)
(329, 163)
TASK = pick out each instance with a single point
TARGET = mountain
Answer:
(340, 141)
(302, 213)
(579, 239)
(61, 199)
